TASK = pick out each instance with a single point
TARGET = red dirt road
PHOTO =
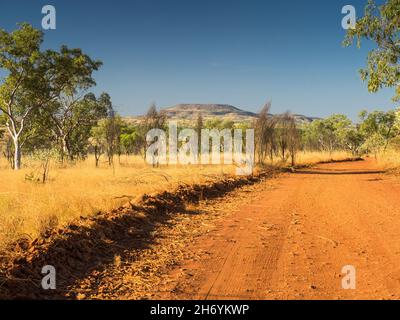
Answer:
(294, 241)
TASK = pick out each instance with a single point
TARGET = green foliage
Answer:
(45, 103)
(106, 136)
(41, 87)
(373, 134)
(132, 139)
(327, 133)
(336, 132)
(354, 140)
(379, 128)
(381, 25)
(3, 121)
(72, 123)
(219, 124)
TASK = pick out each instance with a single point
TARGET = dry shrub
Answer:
(47, 223)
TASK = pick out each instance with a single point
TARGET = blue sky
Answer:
(239, 52)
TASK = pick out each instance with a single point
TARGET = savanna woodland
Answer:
(67, 154)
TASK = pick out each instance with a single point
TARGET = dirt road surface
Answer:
(294, 239)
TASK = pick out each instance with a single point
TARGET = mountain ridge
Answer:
(190, 112)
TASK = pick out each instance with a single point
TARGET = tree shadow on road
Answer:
(340, 172)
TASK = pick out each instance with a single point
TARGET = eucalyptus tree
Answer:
(131, 140)
(23, 89)
(73, 109)
(36, 81)
(106, 134)
(380, 24)
(72, 120)
(335, 132)
(379, 127)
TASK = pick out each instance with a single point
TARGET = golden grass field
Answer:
(390, 160)
(26, 207)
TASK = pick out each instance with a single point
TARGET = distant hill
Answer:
(190, 112)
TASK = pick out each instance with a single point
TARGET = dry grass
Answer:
(390, 161)
(316, 156)
(27, 207)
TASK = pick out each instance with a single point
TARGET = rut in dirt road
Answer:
(295, 240)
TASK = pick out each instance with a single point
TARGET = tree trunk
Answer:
(67, 149)
(293, 159)
(96, 155)
(63, 149)
(17, 154)
(9, 153)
